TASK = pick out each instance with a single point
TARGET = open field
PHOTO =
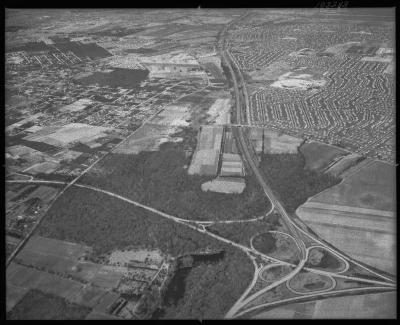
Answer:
(376, 306)
(78, 105)
(220, 111)
(318, 156)
(26, 277)
(14, 294)
(49, 246)
(275, 143)
(69, 133)
(357, 215)
(148, 138)
(372, 187)
(225, 185)
(32, 307)
(373, 247)
(306, 282)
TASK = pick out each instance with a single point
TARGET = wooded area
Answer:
(159, 179)
(106, 223)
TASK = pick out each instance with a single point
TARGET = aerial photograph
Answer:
(200, 163)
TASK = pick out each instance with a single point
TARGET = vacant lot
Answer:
(318, 156)
(38, 305)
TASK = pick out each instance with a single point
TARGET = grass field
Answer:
(38, 305)
(318, 156)
(376, 305)
(372, 187)
(308, 282)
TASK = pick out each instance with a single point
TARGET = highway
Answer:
(242, 107)
(249, 158)
(198, 226)
(243, 116)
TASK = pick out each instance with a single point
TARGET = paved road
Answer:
(241, 107)
(23, 242)
(189, 223)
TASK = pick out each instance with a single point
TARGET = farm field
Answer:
(31, 307)
(357, 215)
(319, 156)
(375, 306)
(371, 187)
(75, 273)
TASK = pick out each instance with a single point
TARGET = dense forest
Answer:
(291, 182)
(106, 223)
(212, 289)
(159, 179)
